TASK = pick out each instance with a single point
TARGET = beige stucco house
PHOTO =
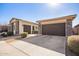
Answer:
(19, 26)
(60, 26)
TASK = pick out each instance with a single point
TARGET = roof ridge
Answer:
(23, 20)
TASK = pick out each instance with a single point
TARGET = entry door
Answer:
(54, 29)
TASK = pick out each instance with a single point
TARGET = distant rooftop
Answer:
(77, 25)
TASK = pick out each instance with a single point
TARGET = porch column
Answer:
(31, 28)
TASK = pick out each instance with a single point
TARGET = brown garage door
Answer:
(54, 29)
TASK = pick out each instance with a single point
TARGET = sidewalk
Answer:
(8, 50)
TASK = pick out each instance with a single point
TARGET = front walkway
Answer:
(8, 50)
(12, 47)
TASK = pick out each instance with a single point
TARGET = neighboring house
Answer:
(61, 26)
(19, 26)
(76, 30)
(3, 28)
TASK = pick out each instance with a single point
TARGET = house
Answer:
(19, 26)
(76, 30)
(3, 28)
(60, 26)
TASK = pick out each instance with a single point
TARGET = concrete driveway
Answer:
(9, 46)
(41, 45)
(55, 43)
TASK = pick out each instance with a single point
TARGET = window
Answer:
(27, 28)
(24, 28)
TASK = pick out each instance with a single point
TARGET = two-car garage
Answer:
(61, 26)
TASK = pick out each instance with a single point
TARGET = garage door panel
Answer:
(54, 29)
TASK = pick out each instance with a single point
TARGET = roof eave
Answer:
(70, 17)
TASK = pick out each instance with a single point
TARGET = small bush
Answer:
(24, 34)
(34, 32)
(73, 43)
(9, 33)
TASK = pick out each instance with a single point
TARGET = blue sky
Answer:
(37, 11)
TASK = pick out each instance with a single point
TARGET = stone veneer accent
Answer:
(40, 28)
(17, 27)
(68, 28)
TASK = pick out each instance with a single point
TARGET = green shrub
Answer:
(9, 33)
(24, 34)
(34, 32)
(73, 43)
